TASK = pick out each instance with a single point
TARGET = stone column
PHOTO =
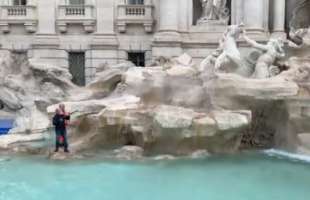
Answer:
(105, 16)
(237, 11)
(167, 41)
(46, 14)
(256, 14)
(104, 44)
(45, 46)
(169, 14)
(278, 27)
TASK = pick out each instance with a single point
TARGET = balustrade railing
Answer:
(25, 15)
(135, 14)
(135, 10)
(76, 14)
(75, 10)
(17, 11)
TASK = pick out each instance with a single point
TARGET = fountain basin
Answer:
(239, 177)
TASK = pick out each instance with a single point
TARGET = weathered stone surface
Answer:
(7, 140)
(129, 153)
(46, 84)
(106, 80)
(182, 71)
(170, 117)
(200, 154)
(304, 140)
(266, 89)
(61, 156)
(205, 126)
(184, 59)
(169, 109)
(165, 157)
(136, 77)
(229, 120)
(10, 100)
(123, 66)
(95, 106)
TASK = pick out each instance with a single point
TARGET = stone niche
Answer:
(297, 14)
(199, 17)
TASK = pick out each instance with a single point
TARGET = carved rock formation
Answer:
(176, 109)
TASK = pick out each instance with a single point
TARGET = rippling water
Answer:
(243, 177)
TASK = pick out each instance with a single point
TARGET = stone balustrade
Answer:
(25, 15)
(135, 14)
(76, 14)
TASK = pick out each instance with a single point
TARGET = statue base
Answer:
(212, 23)
(205, 25)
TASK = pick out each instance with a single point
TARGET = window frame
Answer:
(76, 2)
(19, 2)
(135, 2)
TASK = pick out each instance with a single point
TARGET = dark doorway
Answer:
(137, 58)
(77, 67)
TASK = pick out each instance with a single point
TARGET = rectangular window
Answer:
(19, 2)
(137, 58)
(135, 2)
(76, 2)
(77, 67)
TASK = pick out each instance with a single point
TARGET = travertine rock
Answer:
(7, 140)
(129, 153)
(174, 109)
(106, 80)
(171, 117)
(229, 120)
(200, 154)
(178, 70)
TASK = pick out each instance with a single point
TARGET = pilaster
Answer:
(278, 24)
(168, 36)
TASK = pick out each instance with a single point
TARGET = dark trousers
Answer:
(61, 134)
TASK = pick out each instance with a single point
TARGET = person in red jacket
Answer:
(61, 121)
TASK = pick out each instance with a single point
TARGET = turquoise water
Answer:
(243, 177)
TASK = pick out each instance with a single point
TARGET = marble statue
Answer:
(213, 10)
(231, 61)
(272, 51)
(230, 58)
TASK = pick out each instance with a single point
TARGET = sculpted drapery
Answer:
(213, 9)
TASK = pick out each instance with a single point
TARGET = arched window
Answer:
(135, 2)
(19, 2)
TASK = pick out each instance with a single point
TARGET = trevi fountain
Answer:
(234, 126)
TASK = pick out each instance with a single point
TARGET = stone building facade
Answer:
(86, 33)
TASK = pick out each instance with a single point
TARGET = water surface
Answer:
(244, 177)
